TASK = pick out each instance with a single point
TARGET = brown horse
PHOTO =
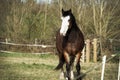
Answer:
(69, 44)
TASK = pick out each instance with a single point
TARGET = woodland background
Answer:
(23, 21)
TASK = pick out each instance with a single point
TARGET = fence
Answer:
(29, 48)
(91, 46)
(92, 51)
(89, 53)
(104, 70)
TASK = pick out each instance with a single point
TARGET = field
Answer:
(19, 66)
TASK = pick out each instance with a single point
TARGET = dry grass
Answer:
(18, 66)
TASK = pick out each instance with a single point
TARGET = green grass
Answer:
(19, 66)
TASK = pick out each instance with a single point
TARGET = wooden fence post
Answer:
(95, 50)
(35, 41)
(83, 55)
(87, 50)
(6, 40)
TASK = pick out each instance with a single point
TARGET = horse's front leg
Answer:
(68, 72)
(69, 69)
(78, 70)
(78, 67)
(67, 59)
(72, 73)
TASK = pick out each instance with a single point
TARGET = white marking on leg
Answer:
(62, 75)
(72, 75)
(66, 78)
(75, 62)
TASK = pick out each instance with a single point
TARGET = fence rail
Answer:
(34, 45)
(32, 48)
(89, 53)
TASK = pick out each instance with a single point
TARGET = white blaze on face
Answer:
(65, 24)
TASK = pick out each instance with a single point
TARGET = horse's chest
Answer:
(72, 42)
(71, 48)
(72, 37)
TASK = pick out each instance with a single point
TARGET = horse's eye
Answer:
(61, 18)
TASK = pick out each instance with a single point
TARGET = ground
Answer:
(26, 66)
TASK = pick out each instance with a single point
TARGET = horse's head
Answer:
(66, 21)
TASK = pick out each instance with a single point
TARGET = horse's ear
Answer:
(62, 11)
(70, 10)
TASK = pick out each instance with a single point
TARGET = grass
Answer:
(19, 66)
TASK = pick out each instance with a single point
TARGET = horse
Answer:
(69, 44)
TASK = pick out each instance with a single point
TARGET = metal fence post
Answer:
(119, 69)
(103, 67)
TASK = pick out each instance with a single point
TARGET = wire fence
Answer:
(91, 51)
(99, 65)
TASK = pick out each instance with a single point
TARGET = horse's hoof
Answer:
(72, 75)
(66, 78)
(61, 76)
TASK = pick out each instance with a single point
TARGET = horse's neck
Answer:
(72, 31)
(74, 26)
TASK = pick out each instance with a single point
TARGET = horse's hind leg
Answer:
(78, 67)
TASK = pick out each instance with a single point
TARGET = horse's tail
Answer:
(61, 63)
